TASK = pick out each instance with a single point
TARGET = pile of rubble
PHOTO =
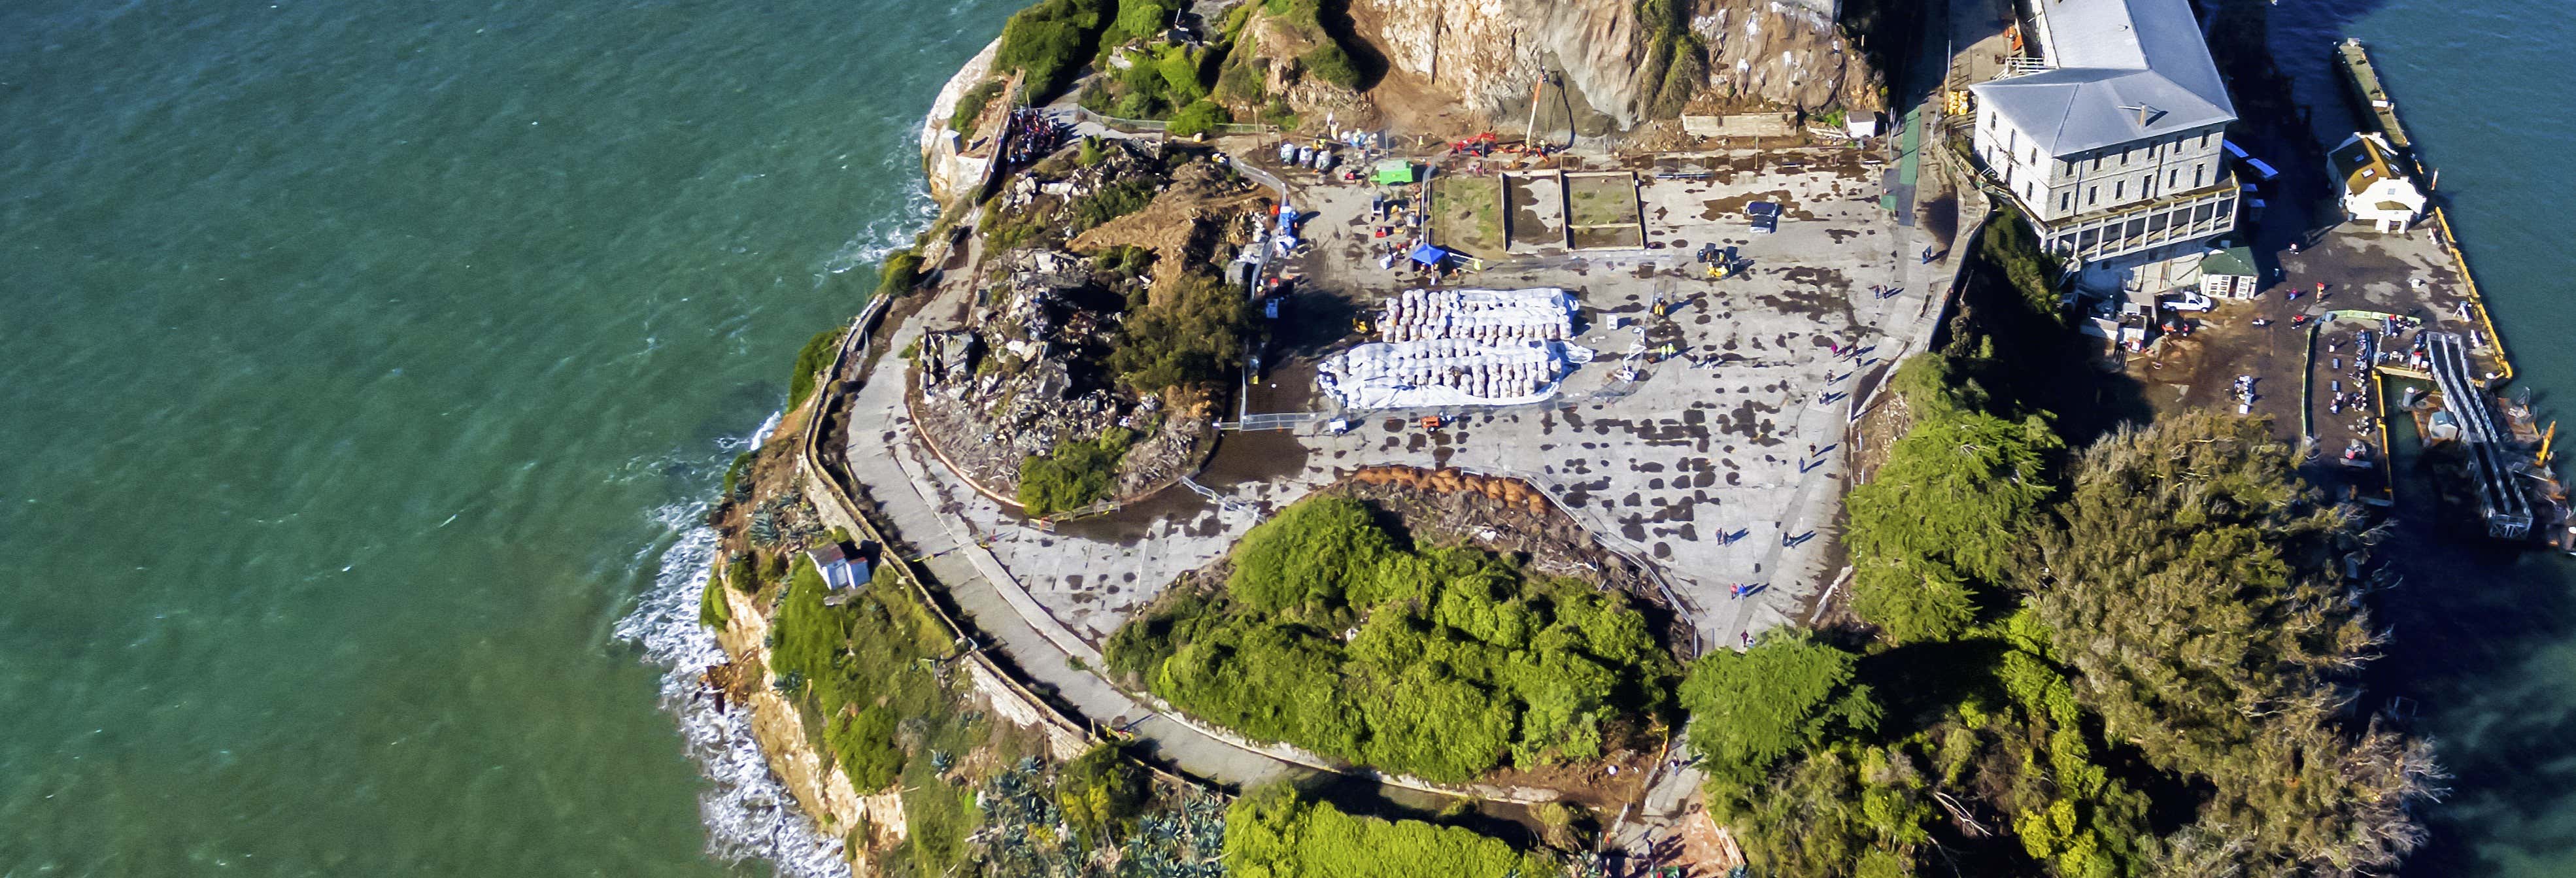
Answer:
(1024, 374)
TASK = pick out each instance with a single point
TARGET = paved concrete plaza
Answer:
(1721, 465)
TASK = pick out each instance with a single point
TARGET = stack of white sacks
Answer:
(1460, 347)
(1484, 315)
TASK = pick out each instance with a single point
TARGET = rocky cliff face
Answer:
(1488, 53)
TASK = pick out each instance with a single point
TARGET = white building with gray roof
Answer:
(2112, 145)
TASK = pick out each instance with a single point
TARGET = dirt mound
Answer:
(1184, 223)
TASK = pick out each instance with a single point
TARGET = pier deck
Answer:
(2371, 102)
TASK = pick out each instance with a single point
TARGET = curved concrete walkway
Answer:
(884, 460)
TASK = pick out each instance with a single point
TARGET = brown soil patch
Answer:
(1601, 200)
(1700, 848)
(1180, 222)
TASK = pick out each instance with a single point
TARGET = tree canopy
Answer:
(1444, 662)
(2197, 601)
(1276, 833)
(1947, 513)
(1784, 695)
(2138, 662)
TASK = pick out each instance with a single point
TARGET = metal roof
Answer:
(2235, 261)
(2124, 70)
(2360, 163)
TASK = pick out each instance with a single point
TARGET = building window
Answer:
(2097, 163)
(2196, 171)
(2204, 140)
(2092, 195)
(2119, 189)
(2065, 201)
(2175, 179)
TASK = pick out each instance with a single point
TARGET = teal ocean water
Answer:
(359, 363)
(362, 367)
(2485, 641)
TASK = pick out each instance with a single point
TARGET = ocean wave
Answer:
(886, 234)
(748, 812)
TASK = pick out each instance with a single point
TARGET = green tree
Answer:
(1310, 553)
(1049, 42)
(1200, 116)
(901, 272)
(1443, 662)
(1923, 600)
(1749, 710)
(1960, 489)
(2198, 602)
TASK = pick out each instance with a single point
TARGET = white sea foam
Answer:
(748, 812)
(884, 234)
(757, 436)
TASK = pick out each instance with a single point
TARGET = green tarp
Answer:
(1395, 172)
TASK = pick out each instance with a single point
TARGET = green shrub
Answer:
(1076, 474)
(971, 105)
(1049, 42)
(1199, 117)
(1137, 18)
(1306, 16)
(1684, 75)
(1090, 153)
(713, 612)
(864, 657)
(735, 489)
(1329, 63)
(1275, 833)
(863, 744)
(901, 272)
(938, 817)
(810, 360)
(1138, 104)
(1179, 68)
(1111, 202)
(2008, 244)
(1191, 336)
(1455, 662)
(1125, 261)
(1241, 82)
(1100, 792)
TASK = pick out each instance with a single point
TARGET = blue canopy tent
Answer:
(1430, 256)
